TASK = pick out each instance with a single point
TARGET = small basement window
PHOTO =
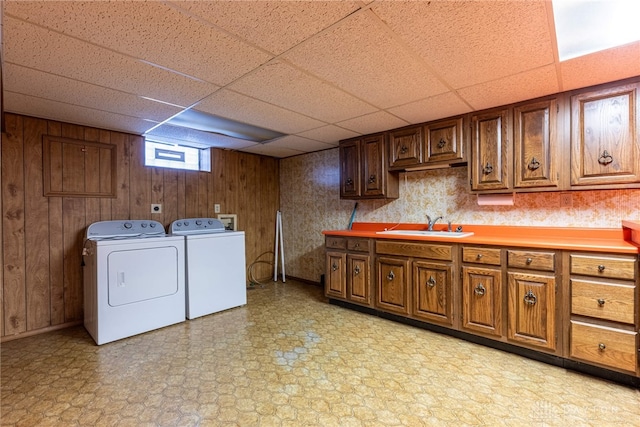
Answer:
(160, 154)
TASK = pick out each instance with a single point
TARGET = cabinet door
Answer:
(604, 136)
(482, 300)
(536, 144)
(490, 152)
(432, 286)
(444, 141)
(392, 292)
(405, 147)
(350, 169)
(336, 276)
(373, 170)
(358, 278)
(532, 309)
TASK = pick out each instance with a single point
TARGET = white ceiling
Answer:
(315, 71)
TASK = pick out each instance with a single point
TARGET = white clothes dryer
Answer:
(133, 279)
(216, 278)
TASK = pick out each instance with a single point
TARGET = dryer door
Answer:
(142, 274)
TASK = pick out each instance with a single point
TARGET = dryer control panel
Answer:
(197, 226)
(125, 229)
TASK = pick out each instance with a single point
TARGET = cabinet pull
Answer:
(431, 282)
(487, 169)
(356, 246)
(601, 302)
(530, 298)
(372, 179)
(356, 270)
(442, 143)
(529, 261)
(605, 158)
(479, 290)
(349, 181)
(390, 276)
(533, 164)
(602, 347)
(479, 256)
(334, 267)
(601, 268)
(403, 149)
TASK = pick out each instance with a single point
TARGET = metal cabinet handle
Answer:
(431, 282)
(479, 256)
(349, 181)
(372, 179)
(479, 290)
(356, 246)
(602, 347)
(601, 302)
(487, 169)
(529, 261)
(403, 149)
(530, 298)
(605, 158)
(601, 268)
(442, 143)
(334, 267)
(533, 164)
(356, 270)
(390, 276)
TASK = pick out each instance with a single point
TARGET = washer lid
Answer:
(124, 229)
(197, 226)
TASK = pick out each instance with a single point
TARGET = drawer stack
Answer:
(604, 310)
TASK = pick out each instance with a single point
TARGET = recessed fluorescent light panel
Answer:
(587, 26)
(194, 119)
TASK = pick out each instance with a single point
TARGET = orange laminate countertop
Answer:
(613, 240)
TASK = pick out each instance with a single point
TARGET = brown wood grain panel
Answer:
(182, 198)
(203, 194)
(191, 193)
(36, 230)
(157, 193)
(74, 224)
(120, 205)
(170, 196)
(93, 175)
(1, 230)
(56, 247)
(14, 292)
(231, 195)
(140, 185)
(269, 205)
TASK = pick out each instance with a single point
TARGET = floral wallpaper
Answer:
(310, 203)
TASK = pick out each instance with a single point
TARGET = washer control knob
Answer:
(143, 225)
(128, 225)
(152, 225)
(198, 222)
(179, 224)
(186, 223)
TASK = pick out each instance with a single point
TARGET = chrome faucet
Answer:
(432, 223)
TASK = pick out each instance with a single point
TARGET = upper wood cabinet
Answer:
(604, 136)
(535, 145)
(445, 141)
(490, 166)
(405, 147)
(364, 172)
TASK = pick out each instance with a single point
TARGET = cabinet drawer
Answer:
(606, 346)
(416, 250)
(603, 300)
(601, 266)
(544, 261)
(335, 243)
(478, 255)
(358, 245)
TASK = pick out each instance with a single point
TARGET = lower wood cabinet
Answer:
(336, 279)
(433, 291)
(358, 281)
(392, 284)
(482, 300)
(348, 269)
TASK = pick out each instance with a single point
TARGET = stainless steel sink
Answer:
(427, 233)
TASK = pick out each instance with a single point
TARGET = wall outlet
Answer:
(156, 208)
(566, 200)
(216, 208)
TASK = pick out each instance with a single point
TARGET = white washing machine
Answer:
(216, 278)
(133, 279)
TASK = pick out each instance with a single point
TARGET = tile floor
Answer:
(290, 359)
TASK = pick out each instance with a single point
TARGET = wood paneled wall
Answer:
(42, 237)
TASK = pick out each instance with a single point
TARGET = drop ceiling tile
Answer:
(471, 42)
(433, 108)
(521, 87)
(601, 67)
(299, 143)
(55, 88)
(371, 123)
(266, 150)
(244, 109)
(369, 64)
(41, 49)
(150, 30)
(196, 138)
(276, 26)
(280, 84)
(52, 110)
(330, 134)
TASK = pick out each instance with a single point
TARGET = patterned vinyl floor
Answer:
(288, 358)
